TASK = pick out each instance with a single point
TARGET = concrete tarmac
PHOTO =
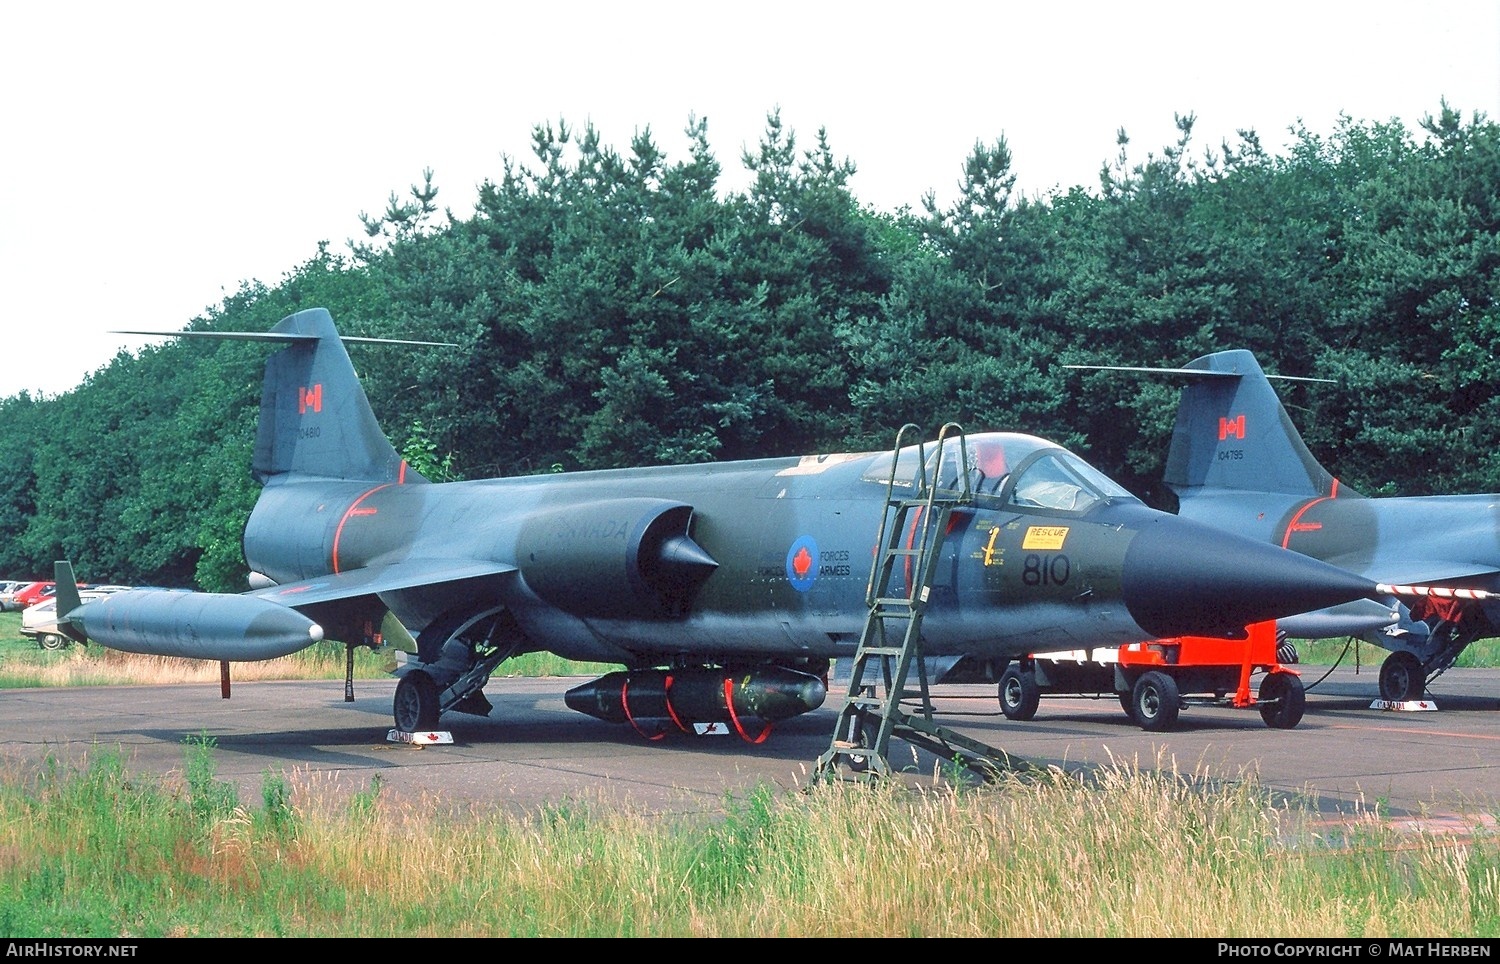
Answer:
(533, 752)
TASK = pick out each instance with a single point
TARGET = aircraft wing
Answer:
(270, 622)
(373, 580)
(1421, 572)
(347, 605)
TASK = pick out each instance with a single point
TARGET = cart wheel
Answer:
(1155, 702)
(1127, 703)
(1019, 694)
(860, 734)
(1401, 678)
(1282, 699)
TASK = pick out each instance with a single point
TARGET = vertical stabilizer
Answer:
(315, 420)
(1232, 432)
(66, 591)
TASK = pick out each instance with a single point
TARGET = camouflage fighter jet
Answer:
(723, 590)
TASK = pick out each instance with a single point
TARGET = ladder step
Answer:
(878, 651)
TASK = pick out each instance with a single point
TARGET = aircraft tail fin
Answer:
(1232, 432)
(66, 594)
(315, 419)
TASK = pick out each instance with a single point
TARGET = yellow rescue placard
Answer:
(1044, 537)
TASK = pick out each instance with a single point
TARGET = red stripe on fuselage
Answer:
(350, 513)
(911, 540)
(1296, 526)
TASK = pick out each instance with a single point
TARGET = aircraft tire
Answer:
(1155, 701)
(415, 706)
(1019, 695)
(1401, 678)
(1282, 700)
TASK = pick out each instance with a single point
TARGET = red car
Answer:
(35, 592)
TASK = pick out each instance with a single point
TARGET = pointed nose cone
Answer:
(1182, 578)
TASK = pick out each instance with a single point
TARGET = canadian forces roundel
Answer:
(802, 563)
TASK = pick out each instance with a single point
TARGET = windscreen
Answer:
(1051, 477)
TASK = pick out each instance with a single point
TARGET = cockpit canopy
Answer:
(1021, 471)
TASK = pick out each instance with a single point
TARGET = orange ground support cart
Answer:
(1156, 680)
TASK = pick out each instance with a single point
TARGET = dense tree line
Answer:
(623, 308)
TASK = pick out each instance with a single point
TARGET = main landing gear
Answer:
(469, 646)
(1401, 678)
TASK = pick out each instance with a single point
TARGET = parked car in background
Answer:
(8, 590)
(33, 593)
(39, 621)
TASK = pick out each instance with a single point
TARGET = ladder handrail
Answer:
(964, 494)
(876, 560)
(935, 504)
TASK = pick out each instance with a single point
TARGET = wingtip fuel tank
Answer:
(194, 625)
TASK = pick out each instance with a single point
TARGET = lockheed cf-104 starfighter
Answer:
(722, 590)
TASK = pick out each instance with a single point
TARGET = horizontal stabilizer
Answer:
(286, 337)
(1202, 373)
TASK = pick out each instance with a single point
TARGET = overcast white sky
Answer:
(156, 155)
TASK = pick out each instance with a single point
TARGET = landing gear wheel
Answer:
(416, 703)
(1019, 694)
(1282, 699)
(858, 734)
(1401, 678)
(53, 641)
(1155, 701)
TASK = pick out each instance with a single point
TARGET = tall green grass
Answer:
(96, 852)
